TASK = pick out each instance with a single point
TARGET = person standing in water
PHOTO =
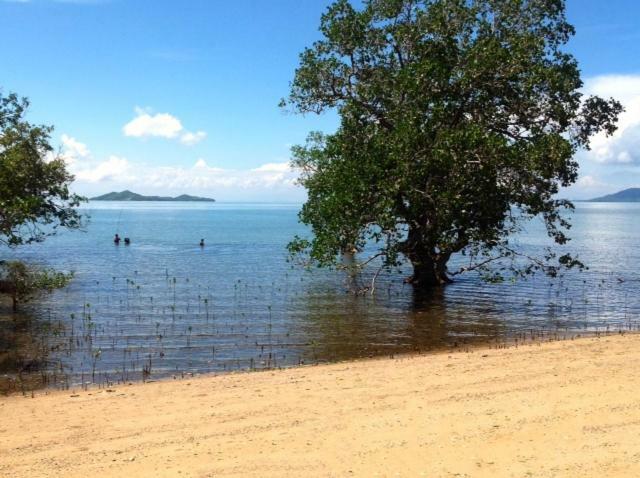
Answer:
(116, 240)
(201, 242)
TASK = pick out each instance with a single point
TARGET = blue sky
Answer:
(181, 96)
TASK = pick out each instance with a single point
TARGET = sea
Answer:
(164, 307)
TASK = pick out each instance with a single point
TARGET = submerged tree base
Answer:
(429, 268)
(425, 281)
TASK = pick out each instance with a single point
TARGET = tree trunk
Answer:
(429, 266)
(428, 273)
(349, 262)
(7, 287)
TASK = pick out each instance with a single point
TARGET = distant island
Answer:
(131, 196)
(628, 195)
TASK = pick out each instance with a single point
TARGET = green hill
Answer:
(131, 196)
(628, 195)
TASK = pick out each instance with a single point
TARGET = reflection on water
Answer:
(163, 306)
(26, 345)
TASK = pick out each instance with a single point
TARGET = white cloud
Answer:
(201, 176)
(192, 138)
(274, 167)
(202, 165)
(589, 182)
(73, 150)
(160, 125)
(588, 187)
(86, 168)
(623, 147)
(270, 181)
(114, 168)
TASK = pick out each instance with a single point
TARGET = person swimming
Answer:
(116, 240)
(127, 241)
(201, 242)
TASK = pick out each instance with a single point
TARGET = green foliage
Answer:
(35, 200)
(25, 282)
(460, 119)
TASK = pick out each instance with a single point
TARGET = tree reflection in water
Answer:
(26, 344)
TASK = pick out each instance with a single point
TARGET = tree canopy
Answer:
(460, 120)
(35, 200)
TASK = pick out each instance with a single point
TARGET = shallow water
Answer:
(164, 306)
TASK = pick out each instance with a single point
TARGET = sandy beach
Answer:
(569, 408)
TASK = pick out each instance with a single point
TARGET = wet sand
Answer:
(568, 408)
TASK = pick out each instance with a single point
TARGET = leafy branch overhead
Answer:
(460, 120)
(35, 200)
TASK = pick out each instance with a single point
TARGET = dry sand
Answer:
(558, 409)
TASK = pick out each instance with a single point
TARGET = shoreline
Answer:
(521, 339)
(560, 408)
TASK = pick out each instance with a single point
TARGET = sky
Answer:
(171, 97)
